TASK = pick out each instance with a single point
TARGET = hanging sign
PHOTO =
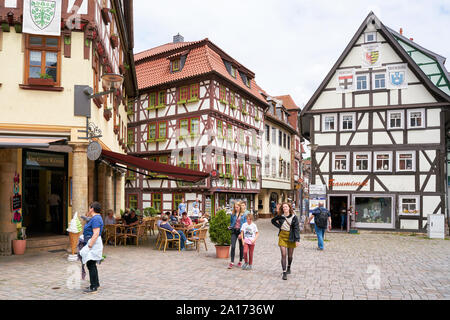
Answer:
(371, 55)
(42, 17)
(345, 80)
(397, 76)
(94, 151)
(16, 201)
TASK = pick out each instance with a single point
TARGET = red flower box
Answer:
(41, 82)
(114, 41)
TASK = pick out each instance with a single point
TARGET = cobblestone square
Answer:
(370, 266)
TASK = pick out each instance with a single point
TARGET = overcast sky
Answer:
(290, 44)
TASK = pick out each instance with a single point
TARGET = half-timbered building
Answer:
(201, 109)
(378, 128)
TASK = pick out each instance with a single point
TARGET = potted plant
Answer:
(114, 40)
(44, 80)
(219, 233)
(107, 113)
(106, 15)
(20, 244)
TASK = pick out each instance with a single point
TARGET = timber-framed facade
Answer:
(378, 125)
(207, 120)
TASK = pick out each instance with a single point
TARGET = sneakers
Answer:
(244, 267)
(90, 290)
(284, 275)
(230, 266)
(188, 242)
(249, 267)
(239, 264)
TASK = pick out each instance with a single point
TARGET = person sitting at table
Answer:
(173, 217)
(131, 219)
(178, 234)
(167, 214)
(109, 219)
(186, 221)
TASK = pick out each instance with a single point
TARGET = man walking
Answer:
(322, 219)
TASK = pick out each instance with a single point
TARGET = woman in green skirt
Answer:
(288, 237)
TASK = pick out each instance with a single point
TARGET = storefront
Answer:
(374, 211)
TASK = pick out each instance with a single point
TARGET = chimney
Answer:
(401, 31)
(178, 38)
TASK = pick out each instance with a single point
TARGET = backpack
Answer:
(321, 219)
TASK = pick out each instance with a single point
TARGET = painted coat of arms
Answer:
(371, 55)
(42, 12)
(345, 79)
(397, 76)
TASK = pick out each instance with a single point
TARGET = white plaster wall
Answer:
(433, 117)
(424, 136)
(381, 138)
(394, 184)
(325, 139)
(429, 204)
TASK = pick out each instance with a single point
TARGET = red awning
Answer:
(176, 173)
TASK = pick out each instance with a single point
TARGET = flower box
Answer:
(41, 82)
(98, 101)
(106, 15)
(114, 41)
(107, 113)
(116, 129)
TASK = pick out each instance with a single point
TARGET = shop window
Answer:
(157, 201)
(406, 161)
(383, 161)
(341, 161)
(362, 162)
(395, 119)
(42, 60)
(376, 211)
(409, 205)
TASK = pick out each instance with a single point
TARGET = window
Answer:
(184, 127)
(152, 132)
(340, 161)
(244, 107)
(193, 164)
(228, 166)
(254, 141)
(267, 166)
(162, 98)
(395, 119)
(253, 172)
(232, 99)
(348, 121)
(130, 137)
(379, 80)
(274, 135)
(194, 126)
(289, 143)
(177, 199)
(190, 127)
(156, 201)
(362, 161)
(383, 161)
(43, 59)
(152, 100)
(409, 205)
(219, 164)
(241, 169)
(280, 138)
(284, 140)
(162, 130)
(183, 94)
(220, 129)
(274, 167)
(130, 175)
(133, 201)
(230, 132)
(406, 161)
(194, 92)
(267, 129)
(416, 118)
(370, 37)
(241, 137)
(223, 94)
(329, 122)
(361, 82)
(375, 211)
(176, 65)
(96, 68)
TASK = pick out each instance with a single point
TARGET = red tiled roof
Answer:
(202, 59)
(288, 102)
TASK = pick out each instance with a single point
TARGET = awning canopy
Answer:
(173, 172)
(28, 141)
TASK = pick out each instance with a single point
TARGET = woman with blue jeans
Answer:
(238, 218)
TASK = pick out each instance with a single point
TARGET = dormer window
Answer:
(175, 65)
(233, 72)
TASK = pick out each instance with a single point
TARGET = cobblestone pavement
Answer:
(365, 266)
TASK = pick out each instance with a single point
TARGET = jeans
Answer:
(344, 221)
(93, 274)
(182, 237)
(234, 237)
(248, 251)
(320, 236)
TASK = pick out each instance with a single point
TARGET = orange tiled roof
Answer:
(203, 58)
(288, 102)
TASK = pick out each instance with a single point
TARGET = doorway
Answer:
(44, 193)
(338, 208)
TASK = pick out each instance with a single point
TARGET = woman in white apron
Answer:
(92, 252)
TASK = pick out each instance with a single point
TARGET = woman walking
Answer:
(288, 237)
(238, 218)
(92, 252)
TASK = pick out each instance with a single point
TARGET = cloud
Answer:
(290, 45)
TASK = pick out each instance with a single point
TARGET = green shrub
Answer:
(150, 212)
(218, 229)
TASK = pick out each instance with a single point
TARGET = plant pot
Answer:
(107, 114)
(106, 15)
(222, 252)
(19, 246)
(114, 41)
(41, 82)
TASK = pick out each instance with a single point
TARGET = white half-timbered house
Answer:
(378, 127)
(197, 108)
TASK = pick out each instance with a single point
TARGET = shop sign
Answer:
(94, 151)
(45, 160)
(317, 189)
(333, 183)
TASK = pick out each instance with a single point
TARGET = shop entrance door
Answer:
(338, 206)
(44, 196)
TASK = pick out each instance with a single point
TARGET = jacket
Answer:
(294, 233)
(234, 219)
